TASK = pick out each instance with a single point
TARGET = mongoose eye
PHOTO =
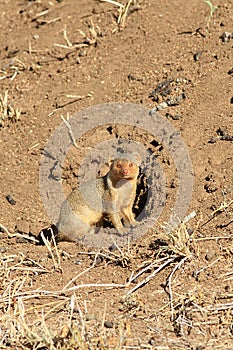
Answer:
(130, 165)
(119, 166)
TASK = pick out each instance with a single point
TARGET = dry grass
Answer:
(27, 314)
(8, 114)
(12, 69)
(88, 39)
(123, 10)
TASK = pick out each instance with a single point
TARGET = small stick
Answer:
(43, 13)
(5, 230)
(147, 279)
(80, 274)
(123, 18)
(18, 234)
(48, 246)
(148, 267)
(34, 146)
(222, 207)
(66, 38)
(41, 306)
(169, 285)
(104, 316)
(228, 279)
(54, 308)
(72, 307)
(113, 3)
(122, 254)
(15, 73)
(75, 100)
(225, 274)
(93, 285)
(77, 46)
(55, 247)
(221, 307)
(81, 318)
(207, 266)
(32, 294)
(32, 269)
(211, 238)
(227, 296)
(30, 47)
(70, 132)
(102, 254)
(49, 21)
(72, 135)
(21, 62)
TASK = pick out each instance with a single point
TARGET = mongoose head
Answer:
(123, 168)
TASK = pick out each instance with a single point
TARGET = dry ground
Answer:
(162, 291)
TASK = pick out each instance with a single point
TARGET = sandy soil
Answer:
(62, 57)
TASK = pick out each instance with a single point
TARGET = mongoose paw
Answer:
(122, 231)
(135, 223)
(131, 224)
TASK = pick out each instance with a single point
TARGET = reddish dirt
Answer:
(160, 40)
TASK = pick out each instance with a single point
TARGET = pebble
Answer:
(226, 36)
(99, 260)
(227, 138)
(10, 199)
(228, 288)
(176, 117)
(112, 248)
(209, 256)
(152, 341)
(190, 231)
(180, 97)
(171, 101)
(197, 56)
(82, 53)
(221, 131)
(108, 324)
(160, 87)
(162, 105)
(152, 111)
(213, 139)
(2, 250)
(77, 262)
(200, 347)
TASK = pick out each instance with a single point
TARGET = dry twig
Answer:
(151, 276)
(66, 121)
(56, 261)
(169, 285)
(124, 10)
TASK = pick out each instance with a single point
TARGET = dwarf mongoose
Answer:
(110, 196)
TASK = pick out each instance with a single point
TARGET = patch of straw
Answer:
(8, 114)
(124, 10)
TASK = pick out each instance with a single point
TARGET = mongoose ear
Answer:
(137, 158)
(109, 163)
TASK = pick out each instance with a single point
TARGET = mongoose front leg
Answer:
(116, 221)
(129, 216)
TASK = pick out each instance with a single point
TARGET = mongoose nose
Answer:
(125, 171)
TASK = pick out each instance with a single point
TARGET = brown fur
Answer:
(110, 196)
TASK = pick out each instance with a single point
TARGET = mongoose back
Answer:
(109, 196)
